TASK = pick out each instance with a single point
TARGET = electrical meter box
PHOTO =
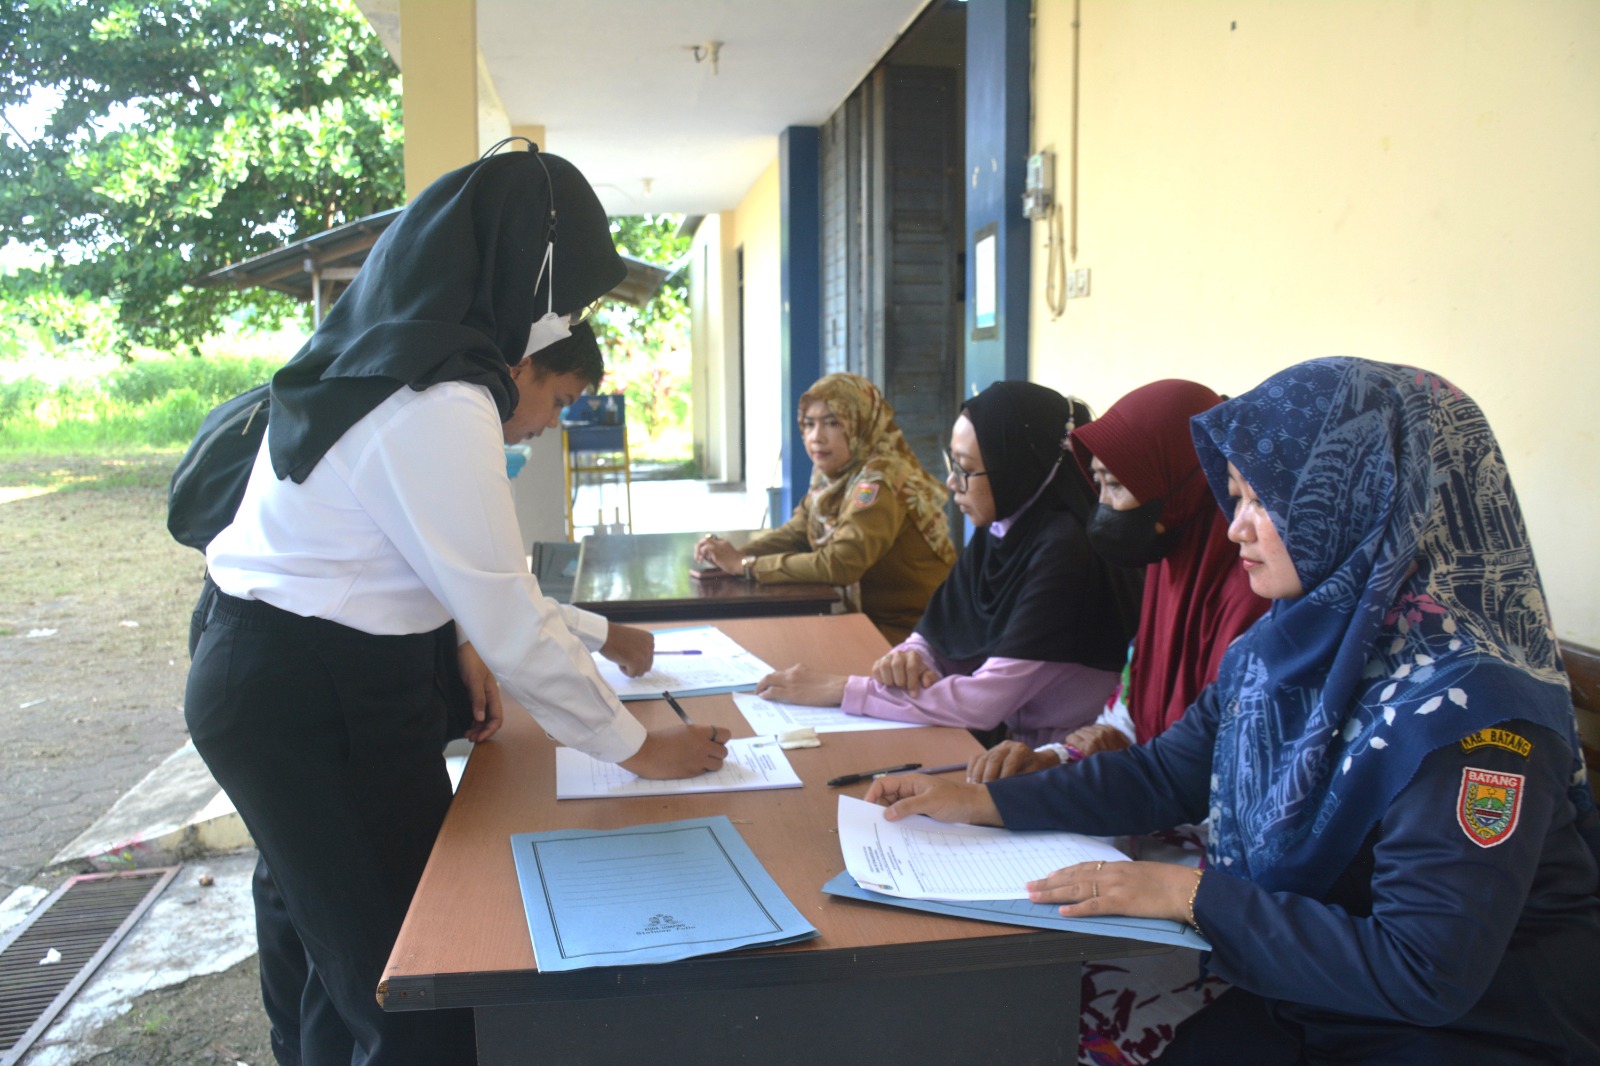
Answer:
(1038, 190)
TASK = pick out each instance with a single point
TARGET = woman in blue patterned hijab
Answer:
(1403, 844)
(1423, 622)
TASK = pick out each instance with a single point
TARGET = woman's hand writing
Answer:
(680, 751)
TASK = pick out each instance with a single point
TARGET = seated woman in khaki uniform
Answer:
(872, 522)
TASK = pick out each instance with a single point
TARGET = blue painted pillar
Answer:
(997, 157)
(800, 205)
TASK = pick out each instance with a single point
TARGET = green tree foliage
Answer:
(647, 349)
(190, 134)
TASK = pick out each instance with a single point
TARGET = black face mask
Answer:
(1129, 538)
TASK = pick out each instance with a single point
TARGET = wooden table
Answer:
(645, 578)
(878, 983)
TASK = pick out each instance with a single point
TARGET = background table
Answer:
(645, 578)
(879, 982)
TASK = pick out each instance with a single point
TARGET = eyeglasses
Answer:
(583, 314)
(956, 475)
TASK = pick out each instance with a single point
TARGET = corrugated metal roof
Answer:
(336, 254)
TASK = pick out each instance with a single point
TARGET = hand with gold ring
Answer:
(1138, 889)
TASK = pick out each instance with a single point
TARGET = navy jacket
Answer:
(1429, 948)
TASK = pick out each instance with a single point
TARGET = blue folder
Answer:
(1026, 912)
(648, 894)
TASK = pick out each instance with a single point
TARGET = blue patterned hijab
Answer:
(1423, 622)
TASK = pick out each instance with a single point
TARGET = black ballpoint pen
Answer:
(851, 779)
(683, 714)
(678, 707)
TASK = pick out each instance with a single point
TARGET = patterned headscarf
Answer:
(878, 453)
(1423, 620)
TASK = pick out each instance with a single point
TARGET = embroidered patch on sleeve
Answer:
(1498, 738)
(1489, 805)
(865, 493)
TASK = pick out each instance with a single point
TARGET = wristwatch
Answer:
(749, 564)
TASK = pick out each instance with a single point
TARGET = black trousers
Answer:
(328, 740)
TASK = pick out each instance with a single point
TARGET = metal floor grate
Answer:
(84, 920)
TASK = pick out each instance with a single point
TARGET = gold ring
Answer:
(1098, 865)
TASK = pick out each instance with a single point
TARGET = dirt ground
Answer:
(94, 614)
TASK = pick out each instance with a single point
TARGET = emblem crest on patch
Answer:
(1489, 805)
(865, 493)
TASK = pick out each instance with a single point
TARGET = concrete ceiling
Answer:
(618, 88)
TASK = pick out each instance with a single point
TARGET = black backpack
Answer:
(209, 482)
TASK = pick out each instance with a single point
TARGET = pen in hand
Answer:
(868, 775)
(677, 708)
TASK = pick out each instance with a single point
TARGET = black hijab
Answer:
(1040, 592)
(448, 293)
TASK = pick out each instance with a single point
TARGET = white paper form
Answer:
(752, 763)
(648, 894)
(689, 662)
(769, 717)
(919, 858)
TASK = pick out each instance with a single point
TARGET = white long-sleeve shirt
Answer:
(408, 522)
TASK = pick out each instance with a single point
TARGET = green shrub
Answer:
(174, 418)
(19, 398)
(213, 380)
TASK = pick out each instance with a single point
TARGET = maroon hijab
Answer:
(1197, 599)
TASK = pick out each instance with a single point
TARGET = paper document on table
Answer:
(919, 858)
(752, 763)
(689, 662)
(768, 717)
(648, 893)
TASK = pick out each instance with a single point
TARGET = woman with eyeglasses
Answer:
(872, 522)
(1030, 629)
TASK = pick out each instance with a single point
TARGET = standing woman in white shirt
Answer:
(377, 534)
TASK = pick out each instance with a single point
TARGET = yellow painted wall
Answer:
(756, 225)
(1263, 181)
(439, 88)
(713, 352)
